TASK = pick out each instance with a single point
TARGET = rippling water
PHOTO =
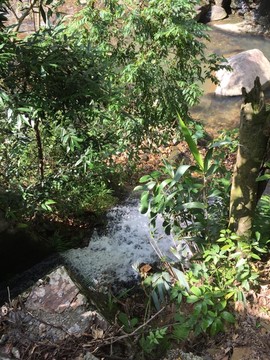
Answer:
(219, 112)
(113, 257)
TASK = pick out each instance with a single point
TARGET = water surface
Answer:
(221, 112)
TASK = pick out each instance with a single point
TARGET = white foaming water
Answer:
(111, 258)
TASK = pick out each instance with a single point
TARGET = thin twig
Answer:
(25, 14)
(114, 339)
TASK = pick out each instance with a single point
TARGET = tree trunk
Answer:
(251, 156)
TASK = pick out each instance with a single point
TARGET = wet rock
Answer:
(245, 67)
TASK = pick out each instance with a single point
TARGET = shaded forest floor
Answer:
(247, 339)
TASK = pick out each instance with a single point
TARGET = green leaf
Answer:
(165, 183)
(263, 177)
(156, 300)
(255, 256)
(221, 143)
(181, 332)
(240, 262)
(137, 188)
(50, 202)
(204, 308)
(124, 319)
(145, 178)
(221, 305)
(181, 278)
(191, 144)
(228, 317)
(144, 203)
(197, 309)
(226, 247)
(134, 321)
(207, 160)
(180, 172)
(206, 323)
(150, 185)
(22, 226)
(216, 327)
(212, 170)
(196, 291)
(194, 205)
(191, 299)
(229, 295)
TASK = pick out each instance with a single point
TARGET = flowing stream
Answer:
(114, 256)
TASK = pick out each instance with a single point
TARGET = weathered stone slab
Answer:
(56, 293)
(52, 310)
(58, 309)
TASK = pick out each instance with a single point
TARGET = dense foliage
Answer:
(213, 267)
(75, 94)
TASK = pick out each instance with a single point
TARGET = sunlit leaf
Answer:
(194, 205)
(181, 278)
(144, 203)
(196, 291)
(191, 144)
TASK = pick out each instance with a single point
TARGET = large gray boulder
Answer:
(245, 67)
(217, 13)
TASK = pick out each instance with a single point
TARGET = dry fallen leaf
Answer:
(97, 333)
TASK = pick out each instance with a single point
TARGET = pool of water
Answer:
(218, 112)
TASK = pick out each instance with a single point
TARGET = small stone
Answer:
(15, 352)
(41, 329)
(3, 339)
(4, 310)
(89, 356)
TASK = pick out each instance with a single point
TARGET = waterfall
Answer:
(112, 258)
